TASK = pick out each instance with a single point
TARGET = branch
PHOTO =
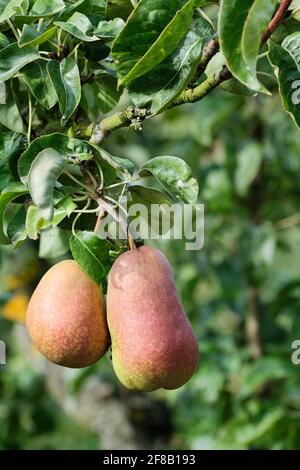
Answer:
(129, 116)
(196, 94)
(276, 20)
(253, 326)
(135, 116)
(209, 51)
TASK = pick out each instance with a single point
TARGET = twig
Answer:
(209, 51)
(253, 326)
(100, 216)
(276, 20)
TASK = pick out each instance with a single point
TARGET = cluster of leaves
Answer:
(63, 64)
(57, 75)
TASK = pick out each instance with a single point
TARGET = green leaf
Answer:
(109, 29)
(92, 254)
(33, 36)
(152, 32)
(10, 116)
(54, 242)
(248, 163)
(59, 142)
(3, 41)
(288, 76)
(233, 86)
(44, 8)
(166, 81)
(118, 8)
(6, 198)
(71, 149)
(43, 174)
(8, 8)
(12, 59)
(66, 80)
(259, 17)
(10, 149)
(39, 83)
(175, 176)
(35, 223)
(241, 25)
(149, 197)
(292, 45)
(100, 96)
(78, 25)
(16, 229)
(122, 165)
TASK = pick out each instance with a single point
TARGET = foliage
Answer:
(63, 66)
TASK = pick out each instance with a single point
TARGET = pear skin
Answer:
(153, 344)
(66, 317)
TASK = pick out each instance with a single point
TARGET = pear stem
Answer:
(132, 245)
(100, 217)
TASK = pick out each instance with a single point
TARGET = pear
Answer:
(153, 344)
(66, 317)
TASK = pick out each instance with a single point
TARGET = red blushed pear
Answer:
(153, 344)
(66, 317)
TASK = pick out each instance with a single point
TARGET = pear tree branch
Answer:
(132, 116)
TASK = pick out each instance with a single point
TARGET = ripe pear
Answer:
(153, 344)
(66, 317)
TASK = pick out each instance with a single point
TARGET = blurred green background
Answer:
(241, 292)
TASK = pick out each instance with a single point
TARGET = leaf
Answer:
(241, 25)
(8, 8)
(175, 176)
(288, 76)
(16, 229)
(39, 83)
(57, 141)
(234, 86)
(100, 96)
(259, 17)
(3, 41)
(109, 29)
(66, 80)
(149, 197)
(35, 223)
(166, 81)
(92, 254)
(12, 59)
(32, 36)
(54, 242)
(120, 164)
(248, 163)
(258, 374)
(152, 32)
(118, 8)
(10, 149)
(44, 8)
(292, 45)
(78, 25)
(10, 116)
(43, 174)
(6, 198)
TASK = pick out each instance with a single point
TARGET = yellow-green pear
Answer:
(66, 317)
